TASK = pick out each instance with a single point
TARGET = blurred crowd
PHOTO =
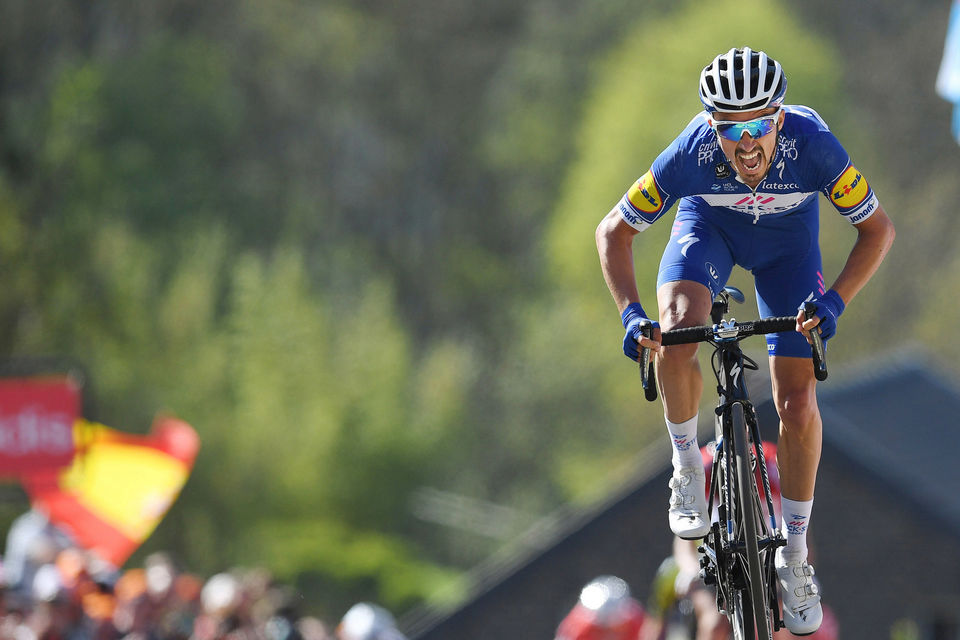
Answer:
(51, 590)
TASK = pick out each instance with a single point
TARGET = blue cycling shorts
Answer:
(783, 254)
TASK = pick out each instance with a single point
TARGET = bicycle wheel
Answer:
(756, 587)
(741, 617)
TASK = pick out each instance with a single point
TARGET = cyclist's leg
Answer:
(801, 428)
(711, 624)
(780, 291)
(682, 304)
(695, 266)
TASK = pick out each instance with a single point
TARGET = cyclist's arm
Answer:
(615, 245)
(874, 237)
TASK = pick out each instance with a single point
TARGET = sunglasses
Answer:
(757, 127)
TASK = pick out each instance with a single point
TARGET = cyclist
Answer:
(605, 611)
(367, 621)
(745, 173)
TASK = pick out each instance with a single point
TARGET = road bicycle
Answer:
(737, 555)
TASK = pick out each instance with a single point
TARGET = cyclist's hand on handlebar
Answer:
(829, 307)
(805, 326)
(634, 320)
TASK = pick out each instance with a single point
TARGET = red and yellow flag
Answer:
(119, 486)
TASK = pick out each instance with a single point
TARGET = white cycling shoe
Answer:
(688, 503)
(802, 613)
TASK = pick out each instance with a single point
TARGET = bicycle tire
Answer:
(746, 493)
(741, 617)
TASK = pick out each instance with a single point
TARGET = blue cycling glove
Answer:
(829, 307)
(634, 318)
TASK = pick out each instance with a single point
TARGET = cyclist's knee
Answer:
(795, 392)
(797, 407)
(683, 304)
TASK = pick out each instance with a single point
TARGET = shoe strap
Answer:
(807, 590)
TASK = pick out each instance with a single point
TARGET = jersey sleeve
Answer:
(841, 182)
(644, 203)
(652, 195)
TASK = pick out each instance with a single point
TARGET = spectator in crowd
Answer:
(50, 589)
(69, 597)
(32, 542)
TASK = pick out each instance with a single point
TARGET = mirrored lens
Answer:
(756, 128)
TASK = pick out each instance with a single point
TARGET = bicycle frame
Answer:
(728, 548)
(733, 390)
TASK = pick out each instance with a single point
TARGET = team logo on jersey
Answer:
(643, 195)
(788, 148)
(850, 189)
(722, 170)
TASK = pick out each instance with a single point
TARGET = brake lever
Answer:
(648, 378)
(819, 354)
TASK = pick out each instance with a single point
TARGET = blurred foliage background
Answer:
(352, 244)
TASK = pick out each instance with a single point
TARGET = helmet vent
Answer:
(742, 80)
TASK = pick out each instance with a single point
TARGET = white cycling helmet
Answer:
(366, 621)
(608, 597)
(742, 80)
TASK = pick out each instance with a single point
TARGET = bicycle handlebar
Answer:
(744, 329)
(736, 330)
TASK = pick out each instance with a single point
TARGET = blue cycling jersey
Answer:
(808, 159)
(772, 230)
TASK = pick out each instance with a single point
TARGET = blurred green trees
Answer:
(352, 244)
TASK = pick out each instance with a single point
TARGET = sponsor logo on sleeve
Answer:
(643, 195)
(865, 212)
(628, 214)
(849, 190)
(631, 216)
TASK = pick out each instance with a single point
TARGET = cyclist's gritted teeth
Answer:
(752, 160)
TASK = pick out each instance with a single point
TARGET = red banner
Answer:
(36, 424)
